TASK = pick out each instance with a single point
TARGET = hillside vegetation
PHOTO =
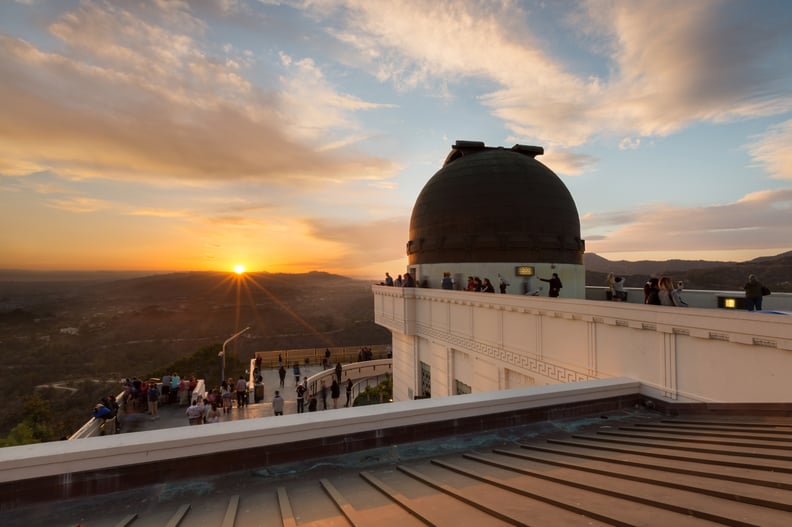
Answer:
(70, 342)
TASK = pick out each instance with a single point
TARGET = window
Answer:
(426, 380)
(460, 388)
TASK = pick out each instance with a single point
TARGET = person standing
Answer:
(323, 393)
(153, 400)
(651, 289)
(228, 397)
(388, 279)
(486, 286)
(174, 391)
(165, 390)
(611, 286)
(326, 358)
(277, 403)
(447, 282)
(408, 280)
(753, 293)
(348, 392)
(296, 370)
(184, 392)
(338, 372)
(335, 393)
(300, 398)
(619, 294)
(399, 282)
(241, 391)
(282, 375)
(555, 285)
(502, 283)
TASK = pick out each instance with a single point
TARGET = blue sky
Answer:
(296, 135)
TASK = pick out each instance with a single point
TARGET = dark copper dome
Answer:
(494, 205)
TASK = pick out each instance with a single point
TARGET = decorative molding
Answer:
(540, 367)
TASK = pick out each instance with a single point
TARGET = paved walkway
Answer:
(173, 415)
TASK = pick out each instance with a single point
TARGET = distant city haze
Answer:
(296, 136)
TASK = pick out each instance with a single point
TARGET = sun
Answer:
(239, 268)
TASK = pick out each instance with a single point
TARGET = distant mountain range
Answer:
(773, 271)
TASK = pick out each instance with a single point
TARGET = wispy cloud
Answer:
(772, 150)
(372, 242)
(128, 98)
(670, 63)
(757, 221)
(79, 204)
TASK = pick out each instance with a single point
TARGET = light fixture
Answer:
(524, 270)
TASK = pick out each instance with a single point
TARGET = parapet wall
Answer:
(97, 465)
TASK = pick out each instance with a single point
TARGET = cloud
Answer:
(79, 204)
(772, 150)
(758, 221)
(567, 162)
(158, 213)
(372, 242)
(128, 98)
(314, 107)
(666, 64)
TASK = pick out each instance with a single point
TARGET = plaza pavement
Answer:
(173, 415)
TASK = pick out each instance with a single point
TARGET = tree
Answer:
(35, 427)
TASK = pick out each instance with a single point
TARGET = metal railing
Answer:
(363, 374)
(314, 356)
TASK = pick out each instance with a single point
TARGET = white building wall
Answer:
(504, 341)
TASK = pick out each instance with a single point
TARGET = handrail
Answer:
(357, 371)
(342, 354)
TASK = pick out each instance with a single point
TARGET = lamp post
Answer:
(223, 353)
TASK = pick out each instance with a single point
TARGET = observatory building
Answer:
(496, 213)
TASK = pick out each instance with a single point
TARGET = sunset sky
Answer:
(290, 136)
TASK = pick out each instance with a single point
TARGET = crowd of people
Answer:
(661, 291)
(234, 393)
(307, 400)
(474, 283)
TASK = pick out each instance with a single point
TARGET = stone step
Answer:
(768, 437)
(517, 509)
(741, 456)
(682, 501)
(771, 424)
(424, 502)
(308, 504)
(372, 507)
(583, 503)
(694, 466)
(721, 427)
(700, 483)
